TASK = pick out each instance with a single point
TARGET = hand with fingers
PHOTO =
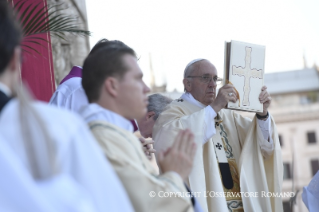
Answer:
(226, 94)
(265, 99)
(147, 147)
(179, 157)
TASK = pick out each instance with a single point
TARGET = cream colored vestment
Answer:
(124, 151)
(256, 174)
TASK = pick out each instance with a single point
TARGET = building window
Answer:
(280, 140)
(287, 172)
(286, 206)
(314, 166)
(309, 98)
(311, 137)
(304, 100)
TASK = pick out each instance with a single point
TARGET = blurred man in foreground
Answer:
(46, 155)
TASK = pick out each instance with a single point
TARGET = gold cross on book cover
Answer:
(244, 68)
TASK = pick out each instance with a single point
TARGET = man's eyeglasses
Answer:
(207, 78)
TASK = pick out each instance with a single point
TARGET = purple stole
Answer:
(77, 72)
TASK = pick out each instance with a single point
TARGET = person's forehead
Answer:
(205, 67)
(129, 60)
(131, 63)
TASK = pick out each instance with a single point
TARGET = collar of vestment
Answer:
(94, 112)
(189, 98)
(76, 71)
(5, 89)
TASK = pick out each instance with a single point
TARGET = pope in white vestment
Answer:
(249, 147)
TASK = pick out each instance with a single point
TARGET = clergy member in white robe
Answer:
(235, 154)
(20, 192)
(113, 83)
(70, 94)
(82, 173)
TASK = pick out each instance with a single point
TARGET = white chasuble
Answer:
(240, 138)
(147, 190)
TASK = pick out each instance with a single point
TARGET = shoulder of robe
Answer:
(180, 103)
(69, 86)
(171, 112)
(111, 129)
(175, 104)
(58, 121)
(113, 137)
(59, 117)
(120, 146)
(178, 107)
(179, 100)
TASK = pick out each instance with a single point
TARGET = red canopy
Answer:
(37, 70)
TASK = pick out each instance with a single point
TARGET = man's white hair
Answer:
(186, 71)
(157, 103)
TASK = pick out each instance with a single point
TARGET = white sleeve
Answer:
(100, 179)
(57, 99)
(74, 101)
(58, 193)
(210, 129)
(266, 145)
(85, 180)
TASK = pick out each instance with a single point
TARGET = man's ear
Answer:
(150, 115)
(187, 84)
(111, 85)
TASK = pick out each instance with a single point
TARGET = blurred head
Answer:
(156, 105)
(200, 80)
(10, 37)
(112, 78)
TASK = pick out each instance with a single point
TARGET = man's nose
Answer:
(212, 83)
(146, 89)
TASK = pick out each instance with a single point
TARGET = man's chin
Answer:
(210, 100)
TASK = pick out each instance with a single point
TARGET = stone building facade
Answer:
(295, 108)
(73, 50)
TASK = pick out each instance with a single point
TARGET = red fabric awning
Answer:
(37, 70)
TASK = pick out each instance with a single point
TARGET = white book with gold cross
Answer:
(244, 68)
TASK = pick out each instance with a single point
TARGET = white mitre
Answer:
(191, 63)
